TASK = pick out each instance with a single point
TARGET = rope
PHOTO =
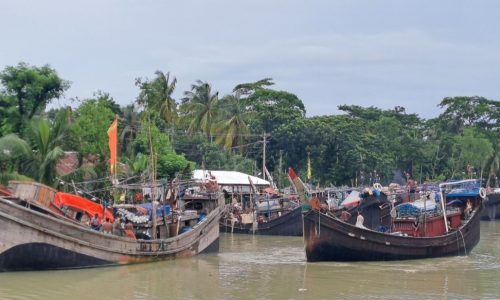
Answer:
(463, 241)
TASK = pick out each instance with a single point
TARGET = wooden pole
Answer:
(264, 158)
(153, 178)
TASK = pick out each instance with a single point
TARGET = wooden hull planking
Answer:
(31, 240)
(491, 207)
(329, 239)
(289, 224)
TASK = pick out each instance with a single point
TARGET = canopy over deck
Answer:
(226, 178)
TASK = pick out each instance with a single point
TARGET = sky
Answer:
(370, 53)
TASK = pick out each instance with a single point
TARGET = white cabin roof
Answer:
(229, 178)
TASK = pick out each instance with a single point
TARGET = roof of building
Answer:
(229, 177)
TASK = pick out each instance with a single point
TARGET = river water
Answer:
(260, 267)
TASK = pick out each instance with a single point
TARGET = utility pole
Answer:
(281, 163)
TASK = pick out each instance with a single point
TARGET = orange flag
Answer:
(113, 144)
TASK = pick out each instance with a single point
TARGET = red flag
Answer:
(113, 144)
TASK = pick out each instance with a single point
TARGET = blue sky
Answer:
(328, 53)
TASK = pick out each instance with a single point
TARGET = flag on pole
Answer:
(308, 166)
(113, 145)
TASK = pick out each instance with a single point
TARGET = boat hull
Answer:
(491, 207)
(31, 240)
(289, 224)
(329, 239)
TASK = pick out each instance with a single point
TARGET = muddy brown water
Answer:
(260, 267)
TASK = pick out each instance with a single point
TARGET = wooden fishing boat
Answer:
(37, 236)
(328, 238)
(284, 222)
(491, 206)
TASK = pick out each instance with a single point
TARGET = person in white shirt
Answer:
(360, 220)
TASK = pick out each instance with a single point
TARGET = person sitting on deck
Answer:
(345, 215)
(107, 227)
(95, 223)
(316, 204)
(360, 220)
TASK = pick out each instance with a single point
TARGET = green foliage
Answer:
(32, 88)
(170, 164)
(461, 112)
(92, 120)
(13, 150)
(38, 154)
(215, 158)
(273, 108)
(248, 88)
(167, 162)
(473, 150)
(232, 128)
(46, 140)
(128, 128)
(8, 114)
(201, 107)
(156, 96)
(356, 147)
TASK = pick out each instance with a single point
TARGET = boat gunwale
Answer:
(382, 238)
(195, 233)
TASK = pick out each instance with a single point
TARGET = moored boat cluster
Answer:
(49, 229)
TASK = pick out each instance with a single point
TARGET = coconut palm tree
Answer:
(168, 106)
(36, 155)
(46, 141)
(233, 127)
(156, 96)
(201, 107)
(131, 122)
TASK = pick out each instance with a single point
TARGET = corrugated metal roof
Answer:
(229, 177)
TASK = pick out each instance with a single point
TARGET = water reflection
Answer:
(258, 267)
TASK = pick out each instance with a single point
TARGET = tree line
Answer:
(203, 129)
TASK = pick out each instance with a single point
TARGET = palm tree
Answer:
(38, 154)
(156, 96)
(233, 128)
(201, 106)
(168, 106)
(46, 141)
(128, 133)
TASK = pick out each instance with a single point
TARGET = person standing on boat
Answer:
(468, 209)
(360, 220)
(107, 227)
(95, 223)
(411, 187)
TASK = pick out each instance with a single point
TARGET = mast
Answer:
(302, 190)
(264, 157)
(153, 180)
